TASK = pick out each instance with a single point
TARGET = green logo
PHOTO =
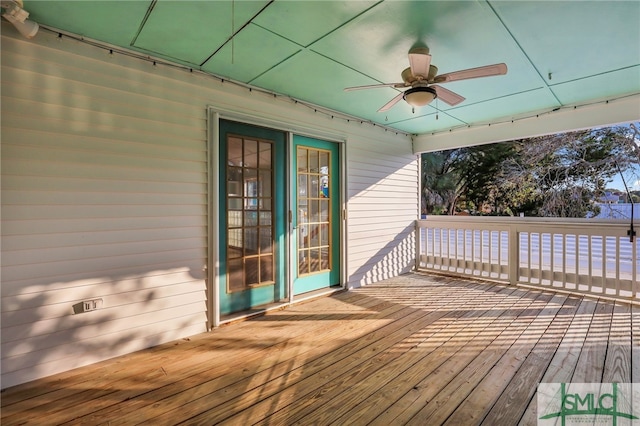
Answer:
(577, 403)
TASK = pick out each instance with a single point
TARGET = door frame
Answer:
(211, 268)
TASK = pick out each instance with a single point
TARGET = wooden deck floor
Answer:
(414, 350)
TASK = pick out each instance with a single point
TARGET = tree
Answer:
(439, 182)
(572, 169)
(559, 175)
(479, 169)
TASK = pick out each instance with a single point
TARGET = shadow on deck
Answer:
(415, 349)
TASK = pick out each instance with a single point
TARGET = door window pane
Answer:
(314, 207)
(251, 270)
(265, 218)
(302, 187)
(314, 261)
(302, 160)
(324, 211)
(313, 161)
(324, 234)
(250, 158)
(250, 218)
(234, 243)
(264, 183)
(303, 262)
(265, 156)
(266, 241)
(324, 258)
(250, 241)
(266, 268)
(235, 272)
(324, 160)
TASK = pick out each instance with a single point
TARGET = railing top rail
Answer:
(511, 220)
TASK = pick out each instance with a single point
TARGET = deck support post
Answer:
(513, 255)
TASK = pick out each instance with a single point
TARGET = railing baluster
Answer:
(577, 260)
(617, 258)
(529, 257)
(604, 264)
(552, 244)
(564, 258)
(514, 254)
(635, 283)
(540, 243)
(590, 260)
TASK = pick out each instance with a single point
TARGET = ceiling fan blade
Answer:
(419, 64)
(448, 96)
(486, 71)
(391, 103)
(374, 86)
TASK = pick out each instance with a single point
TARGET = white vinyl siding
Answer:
(104, 186)
(104, 196)
(383, 205)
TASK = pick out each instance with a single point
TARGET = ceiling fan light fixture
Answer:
(419, 96)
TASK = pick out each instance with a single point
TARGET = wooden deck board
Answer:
(574, 328)
(468, 380)
(635, 344)
(449, 359)
(617, 367)
(517, 395)
(285, 367)
(590, 365)
(426, 353)
(326, 389)
(416, 349)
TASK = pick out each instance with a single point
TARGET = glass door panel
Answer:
(317, 215)
(252, 267)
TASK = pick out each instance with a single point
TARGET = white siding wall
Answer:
(104, 189)
(383, 204)
(103, 196)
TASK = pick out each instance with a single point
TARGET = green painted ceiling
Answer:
(558, 53)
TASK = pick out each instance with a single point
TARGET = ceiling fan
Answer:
(421, 78)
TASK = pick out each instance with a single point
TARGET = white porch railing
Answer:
(577, 255)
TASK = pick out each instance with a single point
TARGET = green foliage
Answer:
(556, 175)
(439, 182)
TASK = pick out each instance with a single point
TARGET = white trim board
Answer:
(606, 113)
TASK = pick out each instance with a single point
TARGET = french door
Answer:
(316, 216)
(271, 240)
(252, 217)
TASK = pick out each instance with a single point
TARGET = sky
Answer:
(633, 182)
(632, 178)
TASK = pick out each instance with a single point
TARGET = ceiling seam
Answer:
(237, 32)
(344, 23)
(302, 48)
(524, 53)
(275, 65)
(351, 68)
(152, 5)
(308, 46)
(594, 75)
(306, 49)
